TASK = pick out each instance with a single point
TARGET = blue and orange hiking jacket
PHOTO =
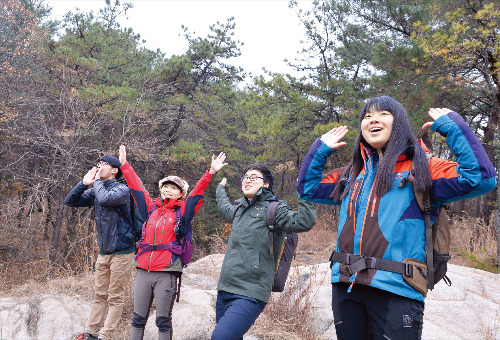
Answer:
(392, 227)
(161, 223)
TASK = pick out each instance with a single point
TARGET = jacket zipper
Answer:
(368, 210)
(154, 238)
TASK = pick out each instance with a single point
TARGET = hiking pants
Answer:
(112, 275)
(235, 314)
(371, 313)
(160, 286)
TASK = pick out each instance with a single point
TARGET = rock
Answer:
(469, 309)
(42, 317)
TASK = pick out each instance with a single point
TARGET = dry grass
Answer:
(287, 314)
(473, 244)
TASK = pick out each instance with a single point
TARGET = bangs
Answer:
(383, 103)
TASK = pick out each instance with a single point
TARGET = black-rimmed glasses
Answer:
(251, 178)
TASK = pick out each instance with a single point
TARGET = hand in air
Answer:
(123, 155)
(332, 138)
(223, 182)
(435, 113)
(217, 163)
(89, 178)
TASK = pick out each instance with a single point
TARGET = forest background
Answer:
(74, 90)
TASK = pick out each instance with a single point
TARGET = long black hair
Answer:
(401, 138)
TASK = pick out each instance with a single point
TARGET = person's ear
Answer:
(266, 185)
(114, 171)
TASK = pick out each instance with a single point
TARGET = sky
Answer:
(269, 29)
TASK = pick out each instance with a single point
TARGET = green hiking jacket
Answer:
(248, 268)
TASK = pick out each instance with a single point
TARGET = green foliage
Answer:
(66, 100)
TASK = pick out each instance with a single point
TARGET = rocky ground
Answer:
(469, 309)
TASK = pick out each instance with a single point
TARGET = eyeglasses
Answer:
(251, 178)
(102, 163)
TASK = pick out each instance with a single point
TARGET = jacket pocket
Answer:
(254, 261)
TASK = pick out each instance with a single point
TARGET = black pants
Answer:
(371, 313)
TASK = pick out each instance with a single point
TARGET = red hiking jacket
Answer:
(161, 223)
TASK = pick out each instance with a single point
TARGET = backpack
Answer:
(418, 274)
(437, 243)
(286, 251)
(138, 211)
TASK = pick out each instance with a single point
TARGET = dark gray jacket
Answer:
(248, 268)
(111, 200)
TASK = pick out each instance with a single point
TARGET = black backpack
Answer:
(285, 253)
(138, 212)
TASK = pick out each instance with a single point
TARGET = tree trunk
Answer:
(57, 228)
(48, 217)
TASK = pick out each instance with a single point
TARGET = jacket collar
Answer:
(367, 152)
(169, 203)
(262, 194)
(111, 182)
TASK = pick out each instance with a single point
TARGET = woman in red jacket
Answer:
(157, 266)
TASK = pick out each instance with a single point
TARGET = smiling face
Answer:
(376, 128)
(251, 182)
(170, 190)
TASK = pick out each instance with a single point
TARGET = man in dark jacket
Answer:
(113, 267)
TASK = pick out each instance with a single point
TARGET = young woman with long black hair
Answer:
(379, 219)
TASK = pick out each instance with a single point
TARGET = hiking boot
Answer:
(86, 336)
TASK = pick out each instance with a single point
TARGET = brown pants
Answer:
(112, 275)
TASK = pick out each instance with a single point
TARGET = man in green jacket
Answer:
(247, 272)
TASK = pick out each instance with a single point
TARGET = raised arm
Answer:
(226, 208)
(81, 195)
(140, 194)
(193, 201)
(472, 174)
(302, 220)
(312, 185)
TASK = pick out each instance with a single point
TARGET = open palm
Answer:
(333, 137)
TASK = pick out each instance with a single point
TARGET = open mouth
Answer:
(375, 130)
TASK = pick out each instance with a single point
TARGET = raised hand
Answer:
(123, 155)
(333, 137)
(223, 182)
(98, 173)
(217, 163)
(89, 178)
(435, 113)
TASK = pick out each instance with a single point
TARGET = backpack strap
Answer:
(178, 217)
(356, 263)
(271, 224)
(235, 210)
(424, 202)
